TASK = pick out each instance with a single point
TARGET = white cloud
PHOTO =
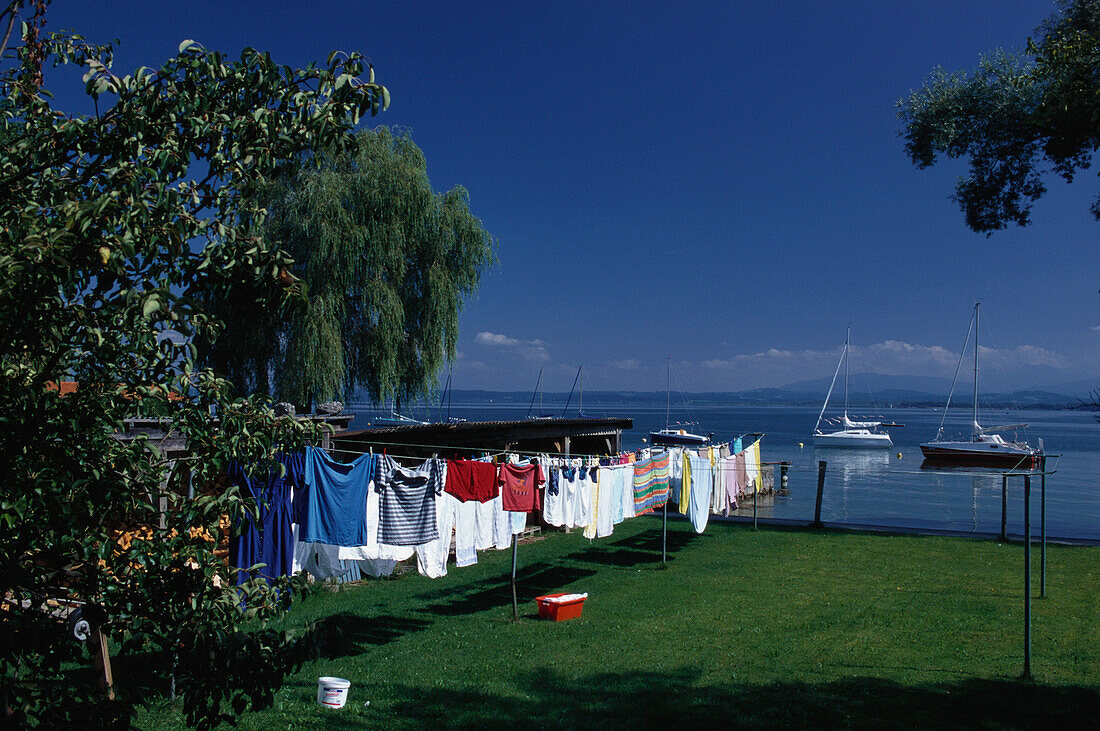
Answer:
(1022, 355)
(630, 364)
(774, 366)
(475, 365)
(1095, 328)
(526, 349)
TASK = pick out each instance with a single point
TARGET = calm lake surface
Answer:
(876, 487)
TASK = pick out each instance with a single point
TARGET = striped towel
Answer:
(650, 484)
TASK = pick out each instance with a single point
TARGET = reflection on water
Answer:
(848, 476)
(847, 465)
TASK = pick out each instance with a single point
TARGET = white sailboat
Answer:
(985, 446)
(676, 435)
(853, 434)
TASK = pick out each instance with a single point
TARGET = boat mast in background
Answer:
(536, 392)
(668, 392)
(570, 399)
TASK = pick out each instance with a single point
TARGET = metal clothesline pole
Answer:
(664, 532)
(515, 600)
(1027, 578)
(1043, 533)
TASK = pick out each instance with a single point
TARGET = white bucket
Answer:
(332, 692)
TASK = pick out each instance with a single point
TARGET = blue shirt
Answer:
(335, 510)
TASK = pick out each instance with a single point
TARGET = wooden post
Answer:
(1027, 577)
(756, 497)
(162, 498)
(515, 600)
(820, 491)
(1004, 508)
(102, 661)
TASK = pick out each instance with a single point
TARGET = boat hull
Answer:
(978, 454)
(851, 440)
(661, 439)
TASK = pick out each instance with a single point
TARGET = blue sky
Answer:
(722, 182)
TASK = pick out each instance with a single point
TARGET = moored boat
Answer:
(985, 447)
(854, 434)
(676, 435)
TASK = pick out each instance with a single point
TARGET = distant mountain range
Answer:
(870, 389)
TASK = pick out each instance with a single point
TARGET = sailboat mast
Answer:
(571, 392)
(534, 394)
(668, 392)
(976, 318)
(847, 338)
(832, 385)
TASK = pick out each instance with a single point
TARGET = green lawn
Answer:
(757, 628)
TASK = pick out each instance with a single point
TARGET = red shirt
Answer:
(469, 479)
(519, 487)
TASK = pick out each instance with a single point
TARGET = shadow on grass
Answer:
(675, 699)
(650, 540)
(618, 558)
(545, 578)
(531, 581)
(346, 634)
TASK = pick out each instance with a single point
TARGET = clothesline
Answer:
(336, 518)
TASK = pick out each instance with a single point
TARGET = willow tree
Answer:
(386, 264)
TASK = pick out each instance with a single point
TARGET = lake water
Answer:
(876, 487)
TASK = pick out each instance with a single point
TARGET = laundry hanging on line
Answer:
(365, 516)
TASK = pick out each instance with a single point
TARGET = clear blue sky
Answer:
(722, 182)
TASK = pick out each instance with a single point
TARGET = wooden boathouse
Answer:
(578, 436)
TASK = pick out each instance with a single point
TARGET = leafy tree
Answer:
(1013, 114)
(386, 263)
(110, 227)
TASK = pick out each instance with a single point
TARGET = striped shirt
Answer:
(407, 514)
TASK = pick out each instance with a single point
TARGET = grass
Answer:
(756, 628)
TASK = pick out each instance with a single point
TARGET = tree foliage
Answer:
(1016, 117)
(111, 228)
(386, 263)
